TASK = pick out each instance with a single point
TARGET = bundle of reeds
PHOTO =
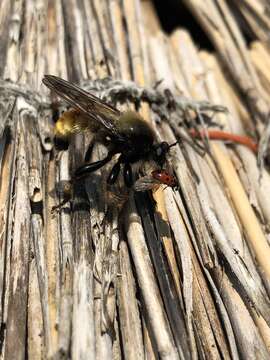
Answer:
(170, 274)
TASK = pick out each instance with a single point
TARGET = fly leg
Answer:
(88, 168)
(114, 172)
(128, 176)
(127, 172)
(89, 151)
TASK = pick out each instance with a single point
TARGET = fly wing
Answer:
(87, 103)
(145, 183)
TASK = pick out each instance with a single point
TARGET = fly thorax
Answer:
(138, 132)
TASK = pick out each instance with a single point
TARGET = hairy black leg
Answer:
(128, 177)
(114, 173)
(89, 151)
(85, 169)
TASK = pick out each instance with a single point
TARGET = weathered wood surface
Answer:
(186, 279)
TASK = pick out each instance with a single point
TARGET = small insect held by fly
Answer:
(165, 178)
(155, 180)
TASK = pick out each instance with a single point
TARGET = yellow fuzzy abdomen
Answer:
(71, 122)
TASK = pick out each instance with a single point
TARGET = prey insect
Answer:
(156, 178)
(124, 133)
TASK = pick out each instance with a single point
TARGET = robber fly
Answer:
(123, 133)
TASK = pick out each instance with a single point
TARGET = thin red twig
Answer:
(226, 136)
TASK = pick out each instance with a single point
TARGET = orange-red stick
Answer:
(222, 135)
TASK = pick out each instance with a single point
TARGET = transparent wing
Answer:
(87, 103)
(145, 183)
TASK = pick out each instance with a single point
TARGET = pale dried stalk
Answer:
(182, 239)
(52, 257)
(18, 283)
(242, 322)
(119, 34)
(83, 341)
(83, 332)
(155, 313)
(13, 55)
(260, 58)
(39, 269)
(29, 76)
(66, 263)
(5, 9)
(255, 14)
(16, 277)
(35, 324)
(254, 231)
(6, 170)
(128, 308)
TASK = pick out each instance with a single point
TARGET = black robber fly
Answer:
(124, 133)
